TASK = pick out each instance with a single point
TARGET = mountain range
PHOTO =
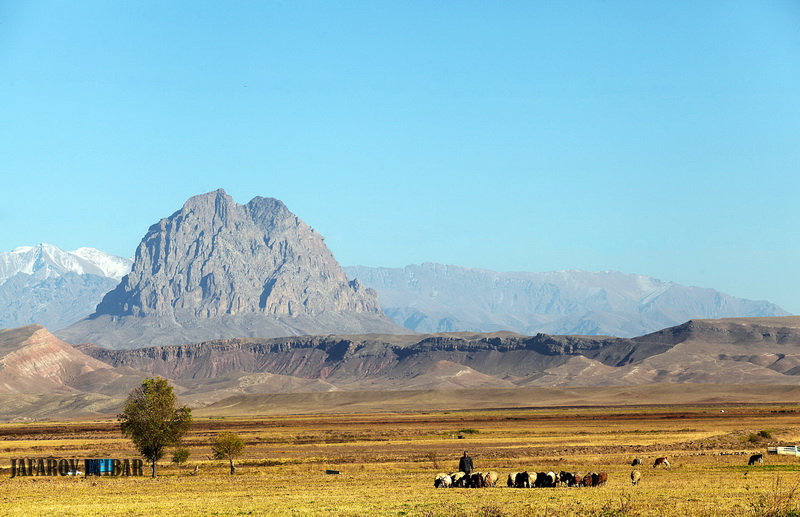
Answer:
(217, 269)
(41, 375)
(440, 298)
(46, 285)
(240, 305)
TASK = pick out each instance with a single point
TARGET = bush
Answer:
(434, 458)
(468, 431)
(180, 456)
(764, 434)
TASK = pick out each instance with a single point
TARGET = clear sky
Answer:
(657, 137)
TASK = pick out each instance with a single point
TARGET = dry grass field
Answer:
(387, 463)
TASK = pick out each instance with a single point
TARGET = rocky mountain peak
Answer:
(257, 262)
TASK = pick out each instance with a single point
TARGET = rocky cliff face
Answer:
(216, 269)
(746, 350)
(42, 377)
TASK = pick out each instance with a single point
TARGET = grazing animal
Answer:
(636, 461)
(602, 477)
(475, 480)
(519, 480)
(566, 478)
(545, 479)
(756, 458)
(442, 481)
(578, 479)
(635, 477)
(661, 462)
(589, 478)
(459, 479)
(490, 478)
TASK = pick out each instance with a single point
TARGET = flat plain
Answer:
(387, 463)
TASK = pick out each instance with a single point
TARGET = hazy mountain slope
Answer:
(45, 285)
(439, 298)
(53, 302)
(216, 269)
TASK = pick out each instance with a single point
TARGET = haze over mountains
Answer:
(440, 298)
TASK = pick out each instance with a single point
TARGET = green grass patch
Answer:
(766, 467)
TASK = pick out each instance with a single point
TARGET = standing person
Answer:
(465, 464)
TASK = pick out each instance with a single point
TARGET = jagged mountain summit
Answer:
(216, 269)
(46, 285)
(441, 298)
(48, 261)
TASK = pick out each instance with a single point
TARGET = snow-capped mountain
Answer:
(48, 261)
(46, 285)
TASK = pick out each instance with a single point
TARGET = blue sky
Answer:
(660, 138)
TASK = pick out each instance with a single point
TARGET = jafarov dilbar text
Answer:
(72, 467)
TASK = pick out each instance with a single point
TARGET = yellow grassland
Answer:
(388, 462)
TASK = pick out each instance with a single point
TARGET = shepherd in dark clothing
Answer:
(465, 464)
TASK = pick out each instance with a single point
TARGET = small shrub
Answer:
(492, 511)
(765, 433)
(434, 458)
(180, 456)
(468, 430)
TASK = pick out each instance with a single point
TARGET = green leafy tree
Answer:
(227, 446)
(180, 455)
(152, 420)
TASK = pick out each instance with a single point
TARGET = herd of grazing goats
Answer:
(520, 479)
(535, 479)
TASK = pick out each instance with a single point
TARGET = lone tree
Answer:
(152, 420)
(227, 446)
